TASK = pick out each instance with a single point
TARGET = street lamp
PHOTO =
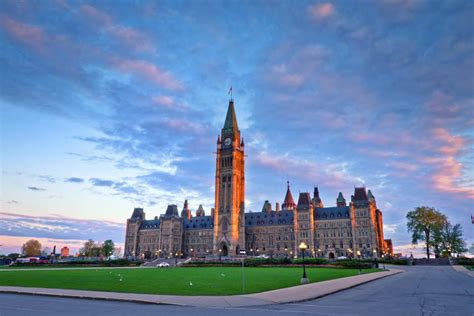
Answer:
(375, 256)
(319, 252)
(220, 252)
(303, 248)
(349, 250)
(358, 255)
(176, 258)
(383, 258)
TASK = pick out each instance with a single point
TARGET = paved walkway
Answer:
(463, 270)
(286, 295)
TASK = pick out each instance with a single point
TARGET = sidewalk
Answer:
(286, 295)
(463, 270)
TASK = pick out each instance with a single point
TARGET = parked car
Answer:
(163, 265)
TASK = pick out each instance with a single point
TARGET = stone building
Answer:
(343, 230)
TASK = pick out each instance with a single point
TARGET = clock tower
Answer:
(229, 223)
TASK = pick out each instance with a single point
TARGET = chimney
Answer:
(277, 207)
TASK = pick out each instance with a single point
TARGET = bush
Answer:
(353, 264)
(464, 261)
(311, 261)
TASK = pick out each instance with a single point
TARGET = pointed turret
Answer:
(267, 207)
(186, 212)
(230, 124)
(242, 143)
(288, 203)
(341, 201)
(218, 139)
(371, 196)
(200, 211)
(316, 199)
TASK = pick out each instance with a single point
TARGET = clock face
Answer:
(227, 141)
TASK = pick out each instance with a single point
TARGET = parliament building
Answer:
(347, 229)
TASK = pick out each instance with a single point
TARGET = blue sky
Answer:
(109, 105)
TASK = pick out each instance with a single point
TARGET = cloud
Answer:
(149, 71)
(62, 227)
(101, 183)
(74, 180)
(36, 189)
(129, 36)
(332, 175)
(322, 10)
(31, 35)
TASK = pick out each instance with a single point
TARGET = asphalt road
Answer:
(420, 290)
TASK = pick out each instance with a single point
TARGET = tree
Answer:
(422, 222)
(108, 248)
(31, 248)
(88, 249)
(453, 239)
(13, 255)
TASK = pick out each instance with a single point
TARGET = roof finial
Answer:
(230, 93)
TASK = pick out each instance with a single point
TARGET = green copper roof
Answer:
(371, 196)
(230, 119)
(340, 197)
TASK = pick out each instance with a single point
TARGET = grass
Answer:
(173, 281)
(469, 267)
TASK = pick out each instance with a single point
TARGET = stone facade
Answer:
(343, 230)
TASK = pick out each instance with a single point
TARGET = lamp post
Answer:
(176, 259)
(192, 253)
(358, 255)
(319, 252)
(220, 252)
(349, 250)
(303, 248)
(375, 256)
(286, 252)
(383, 258)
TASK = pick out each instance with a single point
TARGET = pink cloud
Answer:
(448, 171)
(30, 34)
(322, 10)
(148, 71)
(334, 175)
(181, 125)
(131, 37)
(95, 14)
(163, 100)
(127, 35)
(405, 166)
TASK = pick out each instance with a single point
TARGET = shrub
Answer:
(315, 261)
(464, 261)
(353, 264)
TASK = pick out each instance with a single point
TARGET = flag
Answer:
(472, 219)
(230, 90)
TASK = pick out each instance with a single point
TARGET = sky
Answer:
(111, 105)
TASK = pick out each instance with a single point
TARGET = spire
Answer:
(218, 139)
(288, 203)
(371, 196)
(316, 199)
(186, 212)
(200, 211)
(230, 119)
(341, 201)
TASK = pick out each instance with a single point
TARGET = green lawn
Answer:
(469, 268)
(177, 281)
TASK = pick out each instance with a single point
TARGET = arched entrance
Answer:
(225, 251)
(331, 255)
(237, 250)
